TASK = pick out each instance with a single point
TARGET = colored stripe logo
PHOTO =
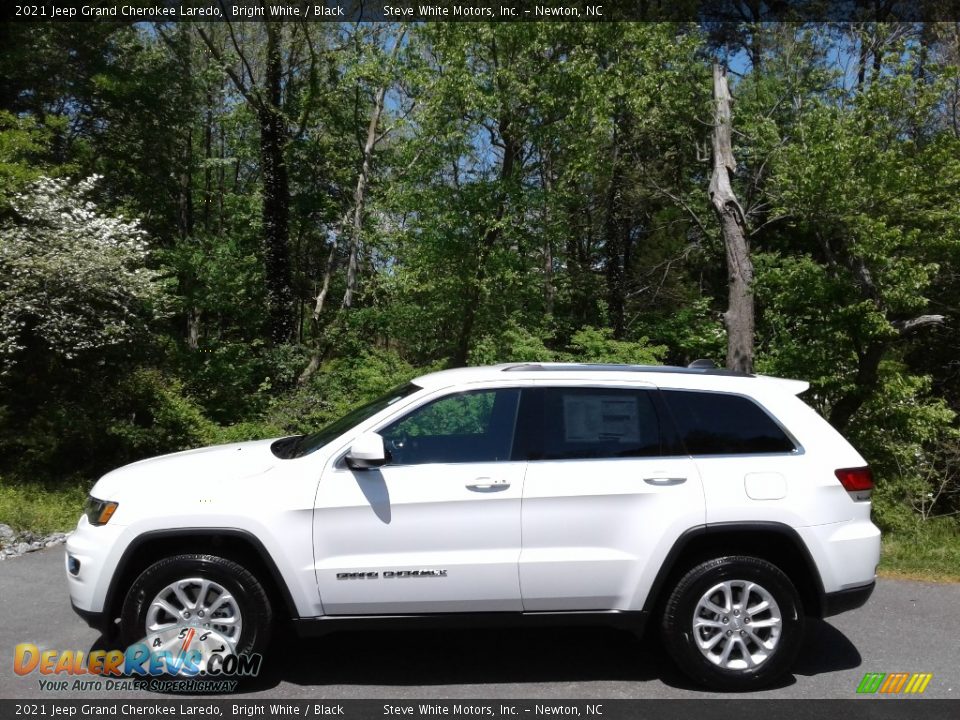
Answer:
(894, 683)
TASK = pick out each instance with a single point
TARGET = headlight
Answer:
(99, 512)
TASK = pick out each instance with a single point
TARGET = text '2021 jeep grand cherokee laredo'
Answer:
(718, 505)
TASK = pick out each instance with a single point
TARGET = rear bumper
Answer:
(838, 602)
(846, 554)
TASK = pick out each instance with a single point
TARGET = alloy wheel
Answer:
(199, 604)
(737, 624)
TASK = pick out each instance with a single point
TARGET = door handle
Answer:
(484, 484)
(665, 480)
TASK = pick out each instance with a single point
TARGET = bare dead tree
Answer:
(739, 317)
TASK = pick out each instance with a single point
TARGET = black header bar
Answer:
(701, 11)
(476, 708)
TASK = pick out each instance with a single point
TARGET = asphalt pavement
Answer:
(906, 627)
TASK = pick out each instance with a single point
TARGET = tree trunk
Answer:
(739, 317)
(266, 101)
(868, 370)
(612, 246)
(276, 192)
(221, 179)
(193, 328)
(360, 195)
(317, 354)
(360, 192)
(207, 156)
(549, 289)
(511, 156)
(955, 100)
(354, 231)
(185, 206)
(185, 190)
(868, 366)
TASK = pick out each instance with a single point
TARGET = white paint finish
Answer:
(368, 447)
(815, 496)
(846, 554)
(240, 486)
(765, 486)
(594, 533)
(419, 517)
(96, 549)
(593, 530)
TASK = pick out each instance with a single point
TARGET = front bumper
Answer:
(95, 550)
(96, 620)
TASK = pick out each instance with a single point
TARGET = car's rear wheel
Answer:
(733, 623)
(220, 601)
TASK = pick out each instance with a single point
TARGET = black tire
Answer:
(681, 641)
(250, 596)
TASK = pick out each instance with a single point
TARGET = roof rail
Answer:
(694, 369)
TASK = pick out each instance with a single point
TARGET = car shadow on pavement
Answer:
(458, 657)
(502, 656)
(480, 657)
(825, 649)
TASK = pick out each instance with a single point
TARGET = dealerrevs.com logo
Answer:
(189, 661)
(898, 683)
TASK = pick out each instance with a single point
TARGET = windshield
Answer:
(300, 445)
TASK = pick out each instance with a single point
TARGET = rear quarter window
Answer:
(712, 423)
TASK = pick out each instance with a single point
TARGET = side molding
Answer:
(314, 627)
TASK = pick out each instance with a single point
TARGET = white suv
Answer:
(717, 505)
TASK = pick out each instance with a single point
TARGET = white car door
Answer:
(605, 495)
(437, 528)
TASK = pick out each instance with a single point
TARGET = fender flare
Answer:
(115, 592)
(726, 528)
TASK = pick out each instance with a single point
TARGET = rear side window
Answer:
(722, 424)
(582, 423)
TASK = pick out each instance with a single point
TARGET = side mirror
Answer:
(366, 452)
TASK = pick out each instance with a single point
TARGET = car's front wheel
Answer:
(210, 601)
(733, 623)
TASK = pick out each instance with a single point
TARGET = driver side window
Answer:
(472, 426)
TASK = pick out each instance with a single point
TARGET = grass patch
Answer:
(931, 552)
(41, 509)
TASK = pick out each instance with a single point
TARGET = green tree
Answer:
(74, 279)
(865, 210)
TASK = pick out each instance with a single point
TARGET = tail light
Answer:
(855, 479)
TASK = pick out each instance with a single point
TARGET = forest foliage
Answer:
(215, 232)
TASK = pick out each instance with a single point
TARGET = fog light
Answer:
(73, 565)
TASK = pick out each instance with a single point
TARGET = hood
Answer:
(191, 468)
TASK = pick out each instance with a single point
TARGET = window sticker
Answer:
(591, 418)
